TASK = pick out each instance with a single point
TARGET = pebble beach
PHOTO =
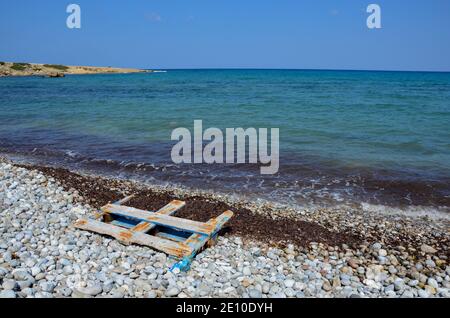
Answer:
(267, 251)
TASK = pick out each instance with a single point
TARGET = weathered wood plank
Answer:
(98, 215)
(122, 224)
(160, 219)
(197, 241)
(124, 200)
(177, 249)
(169, 236)
(169, 209)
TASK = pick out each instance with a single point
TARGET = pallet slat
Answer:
(169, 209)
(160, 219)
(98, 216)
(177, 249)
(121, 224)
(170, 237)
(197, 241)
(124, 200)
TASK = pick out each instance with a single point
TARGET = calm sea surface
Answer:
(376, 137)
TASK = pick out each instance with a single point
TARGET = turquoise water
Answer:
(381, 137)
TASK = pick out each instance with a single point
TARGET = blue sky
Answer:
(325, 34)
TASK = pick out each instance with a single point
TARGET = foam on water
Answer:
(411, 211)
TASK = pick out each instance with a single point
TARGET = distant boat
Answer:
(159, 71)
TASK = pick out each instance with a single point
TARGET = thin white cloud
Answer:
(153, 17)
(334, 12)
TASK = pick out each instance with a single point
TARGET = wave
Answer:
(300, 181)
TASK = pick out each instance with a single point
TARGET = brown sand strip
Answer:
(99, 191)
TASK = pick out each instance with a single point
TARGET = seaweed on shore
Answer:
(100, 191)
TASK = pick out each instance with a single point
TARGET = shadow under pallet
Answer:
(180, 238)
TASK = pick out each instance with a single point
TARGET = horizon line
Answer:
(293, 69)
(251, 68)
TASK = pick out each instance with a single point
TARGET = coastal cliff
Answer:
(53, 70)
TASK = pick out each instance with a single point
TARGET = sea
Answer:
(346, 137)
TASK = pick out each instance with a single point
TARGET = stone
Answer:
(430, 290)
(47, 287)
(68, 270)
(289, 283)
(66, 292)
(389, 288)
(326, 286)
(40, 276)
(28, 292)
(247, 271)
(407, 294)
(92, 290)
(253, 293)
(336, 282)
(246, 282)
(43, 295)
(35, 270)
(55, 75)
(3, 272)
(391, 294)
(7, 294)
(382, 252)
(392, 270)
(423, 293)
(376, 246)
(172, 292)
(25, 284)
(433, 283)
(399, 284)
(430, 263)
(353, 263)
(151, 294)
(9, 284)
(372, 284)
(289, 292)
(427, 249)
(119, 293)
(21, 274)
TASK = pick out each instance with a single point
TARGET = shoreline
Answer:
(379, 195)
(11, 69)
(327, 253)
(342, 225)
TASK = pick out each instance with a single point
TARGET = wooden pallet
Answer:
(182, 239)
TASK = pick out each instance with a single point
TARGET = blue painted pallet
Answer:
(182, 239)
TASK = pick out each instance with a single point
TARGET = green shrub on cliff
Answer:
(19, 66)
(2, 63)
(57, 67)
